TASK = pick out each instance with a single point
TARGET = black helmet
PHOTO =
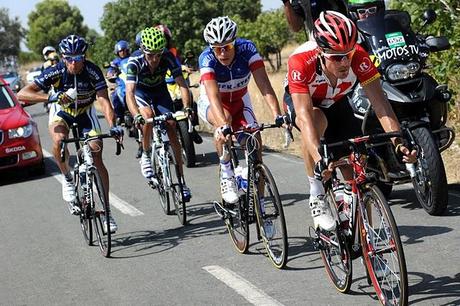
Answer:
(73, 45)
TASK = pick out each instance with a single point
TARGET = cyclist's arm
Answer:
(184, 90)
(32, 94)
(212, 91)
(130, 99)
(295, 21)
(266, 89)
(107, 109)
(303, 106)
(381, 106)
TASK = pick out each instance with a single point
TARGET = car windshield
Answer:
(10, 74)
(5, 99)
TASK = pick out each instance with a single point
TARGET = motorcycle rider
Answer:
(320, 74)
(362, 9)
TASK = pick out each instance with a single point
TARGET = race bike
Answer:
(419, 102)
(186, 124)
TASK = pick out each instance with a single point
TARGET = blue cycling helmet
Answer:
(121, 45)
(139, 38)
(73, 45)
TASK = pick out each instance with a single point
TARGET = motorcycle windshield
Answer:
(389, 38)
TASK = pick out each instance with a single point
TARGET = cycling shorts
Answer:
(157, 98)
(87, 121)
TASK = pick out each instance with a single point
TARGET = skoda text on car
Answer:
(19, 139)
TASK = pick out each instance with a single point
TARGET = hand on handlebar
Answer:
(138, 120)
(223, 133)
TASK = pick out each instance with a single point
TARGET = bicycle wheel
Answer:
(100, 214)
(270, 217)
(177, 194)
(335, 252)
(85, 214)
(161, 186)
(382, 249)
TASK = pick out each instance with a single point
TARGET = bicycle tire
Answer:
(163, 194)
(100, 207)
(187, 146)
(85, 214)
(335, 252)
(274, 234)
(177, 194)
(382, 249)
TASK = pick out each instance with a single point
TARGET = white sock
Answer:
(316, 187)
(226, 169)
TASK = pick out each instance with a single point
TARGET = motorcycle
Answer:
(419, 102)
(185, 125)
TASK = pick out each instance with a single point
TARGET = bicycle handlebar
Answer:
(166, 116)
(86, 139)
(253, 129)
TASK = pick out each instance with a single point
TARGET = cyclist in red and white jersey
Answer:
(320, 75)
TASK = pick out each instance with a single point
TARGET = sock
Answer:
(226, 169)
(68, 177)
(146, 154)
(316, 187)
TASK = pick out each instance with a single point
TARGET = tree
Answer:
(52, 21)
(11, 33)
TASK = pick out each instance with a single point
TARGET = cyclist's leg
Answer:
(118, 106)
(144, 102)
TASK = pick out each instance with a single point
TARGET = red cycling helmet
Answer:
(165, 30)
(335, 32)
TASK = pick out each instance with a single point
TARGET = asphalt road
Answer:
(156, 261)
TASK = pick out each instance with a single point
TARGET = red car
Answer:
(19, 139)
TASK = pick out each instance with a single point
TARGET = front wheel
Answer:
(161, 177)
(101, 214)
(382, 249)
(85, 214)
(188, 148)
(430, 182)
(177, 194)
(270, 217)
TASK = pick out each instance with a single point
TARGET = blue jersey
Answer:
(89, 81)
(233, 79)
(138, 71)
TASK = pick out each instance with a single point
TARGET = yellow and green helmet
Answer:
(153, 40)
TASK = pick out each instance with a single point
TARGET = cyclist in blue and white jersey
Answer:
(77, 82)
(226, 67)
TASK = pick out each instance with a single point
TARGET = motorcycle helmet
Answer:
(219, 30)
(73, 45)
(152, 40)
(361, 9)
(334, 31)
(47, 50)
(138, 38)
(121, 45)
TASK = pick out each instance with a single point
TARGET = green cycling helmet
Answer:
(153, 40)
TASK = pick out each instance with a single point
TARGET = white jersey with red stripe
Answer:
(233, 79)
(305, 75)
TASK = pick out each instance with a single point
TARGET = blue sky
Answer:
(90, 9)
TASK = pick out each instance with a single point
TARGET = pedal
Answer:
(314, 235)
(223, 212)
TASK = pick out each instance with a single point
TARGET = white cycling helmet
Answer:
(219, 30)
(47, 50)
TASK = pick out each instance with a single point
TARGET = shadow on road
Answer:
(428, 288)
(289, 199)
(21, 175)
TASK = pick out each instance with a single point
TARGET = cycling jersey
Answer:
(305, 75)
(234, 79)
(89, 81)
(138, 71)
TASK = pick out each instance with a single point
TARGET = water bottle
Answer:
(241, 175)
(82, 175)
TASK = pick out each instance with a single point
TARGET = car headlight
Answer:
(23, 131)
(399, 72)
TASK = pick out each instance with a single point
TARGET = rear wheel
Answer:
(188, 148)
(177, 194)
(101, 215)
(161, 186)
(335, 252)
(382, 250)
(430, 182)
(271, 217)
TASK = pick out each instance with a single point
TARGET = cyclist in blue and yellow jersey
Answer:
(76, 82)
(147, 94)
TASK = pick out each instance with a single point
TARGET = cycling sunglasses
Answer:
(74, 58)
(223, 48)
(153, 53)
(367, 11)
(339, 57)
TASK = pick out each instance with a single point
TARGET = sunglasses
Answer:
(339, 57)
(224, 48)
(367, 11)
(153, 53)
(74, 59)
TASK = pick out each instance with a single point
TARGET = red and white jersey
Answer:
(305, 75)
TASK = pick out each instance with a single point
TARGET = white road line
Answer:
(115, 201)
(244, 288)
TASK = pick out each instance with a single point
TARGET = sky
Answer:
(90, 9)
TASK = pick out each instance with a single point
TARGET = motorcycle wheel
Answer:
(188, 148)
(430, 182)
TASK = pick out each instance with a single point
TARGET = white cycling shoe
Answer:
(68, 191)
(146, 166)
(228, 190)
(321, 213)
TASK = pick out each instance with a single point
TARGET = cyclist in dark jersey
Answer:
(77, 82)
(147, 94)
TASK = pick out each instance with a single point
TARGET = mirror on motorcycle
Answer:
(429, 16)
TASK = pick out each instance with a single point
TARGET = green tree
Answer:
(11, 33)
(51, 21)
